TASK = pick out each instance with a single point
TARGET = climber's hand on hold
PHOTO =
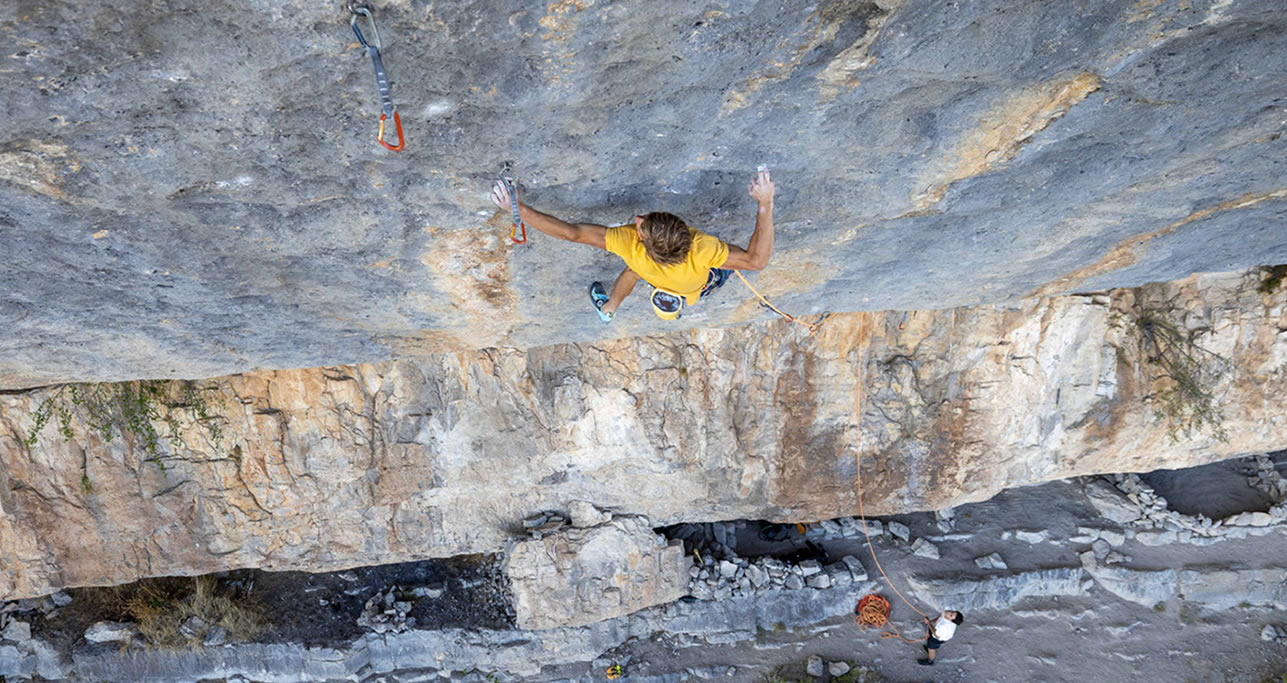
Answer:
(761, 188)
(500, 195)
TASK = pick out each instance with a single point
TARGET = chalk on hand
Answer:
(762, 168)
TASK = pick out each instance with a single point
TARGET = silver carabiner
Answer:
(363, 9)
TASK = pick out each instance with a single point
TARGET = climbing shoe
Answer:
(714, 280)
(925, 662)
(598, 297)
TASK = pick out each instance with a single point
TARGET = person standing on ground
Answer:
(938, 633)
(681, 263)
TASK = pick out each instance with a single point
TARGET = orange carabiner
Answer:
(397, 123)
(514, 231)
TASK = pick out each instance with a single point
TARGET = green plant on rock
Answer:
(1187, 375)
(1274, 276)
(149, 411)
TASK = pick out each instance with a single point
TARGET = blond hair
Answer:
(666, 237)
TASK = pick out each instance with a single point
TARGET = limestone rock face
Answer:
(341, 466)
(192, 189)
(580, 576)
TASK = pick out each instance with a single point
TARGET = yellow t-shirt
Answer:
(686, 278)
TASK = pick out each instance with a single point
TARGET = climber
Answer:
(682, 263)
(938, 633)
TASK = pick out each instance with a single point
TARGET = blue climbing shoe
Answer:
(714, 280)
(598, 297)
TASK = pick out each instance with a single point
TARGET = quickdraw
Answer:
(373, 48)
(507, 179)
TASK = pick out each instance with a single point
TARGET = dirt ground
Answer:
(1099, 637)
(316, 609)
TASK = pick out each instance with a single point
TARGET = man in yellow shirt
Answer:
(680, 262)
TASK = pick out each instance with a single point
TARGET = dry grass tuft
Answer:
(161, 607)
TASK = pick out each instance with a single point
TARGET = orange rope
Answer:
(861, 513)
(813, 326)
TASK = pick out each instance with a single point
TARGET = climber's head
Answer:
(665, 236)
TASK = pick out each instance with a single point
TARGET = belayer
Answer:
(681, 263)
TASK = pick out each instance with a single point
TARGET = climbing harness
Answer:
(812, 327)
(507, 179)
(862, 515)
(667, 305)
(373, 48)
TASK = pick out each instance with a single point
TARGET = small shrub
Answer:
(150, 411)
(1274, 276)
(1188, 375)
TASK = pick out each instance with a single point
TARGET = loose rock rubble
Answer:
(1274, 634)
(1127, 500)
(387, 612)
(723, 574)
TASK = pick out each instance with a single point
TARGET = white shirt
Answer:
(944, 628)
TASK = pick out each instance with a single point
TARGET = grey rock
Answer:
(1032, 537)
(874, 528)
(1260, 519)
(17, 631)
(727, 569)
(838, 668)
(1156, 538)
(997, 592)
(1088, 561)
(1110, 503)
(110, 631)
(1115, 557)
(809, 567)
(1269, 633)
(923, 548)
(992, 561)
(1101, 548)
(794, 582)
(1141, 587)
(855, 567)
(832, 528)
(820, 580)
(61, 599)
(814, 666)
(758, 577)
(1225, 589)
(1113, 538)
(900, 531)
(215, 637)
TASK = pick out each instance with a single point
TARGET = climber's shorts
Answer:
(933, 643)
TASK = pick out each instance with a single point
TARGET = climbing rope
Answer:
(873, 611)
(862, 515)
(507, 179)
(381, 79)
(812, 327)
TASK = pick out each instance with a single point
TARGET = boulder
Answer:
(814, 666)
(923, 548)
(110, 631)
(579, 576)
(17, 631)
(1110, 503)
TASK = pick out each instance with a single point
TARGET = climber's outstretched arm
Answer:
(582, 233)
(756, 254)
